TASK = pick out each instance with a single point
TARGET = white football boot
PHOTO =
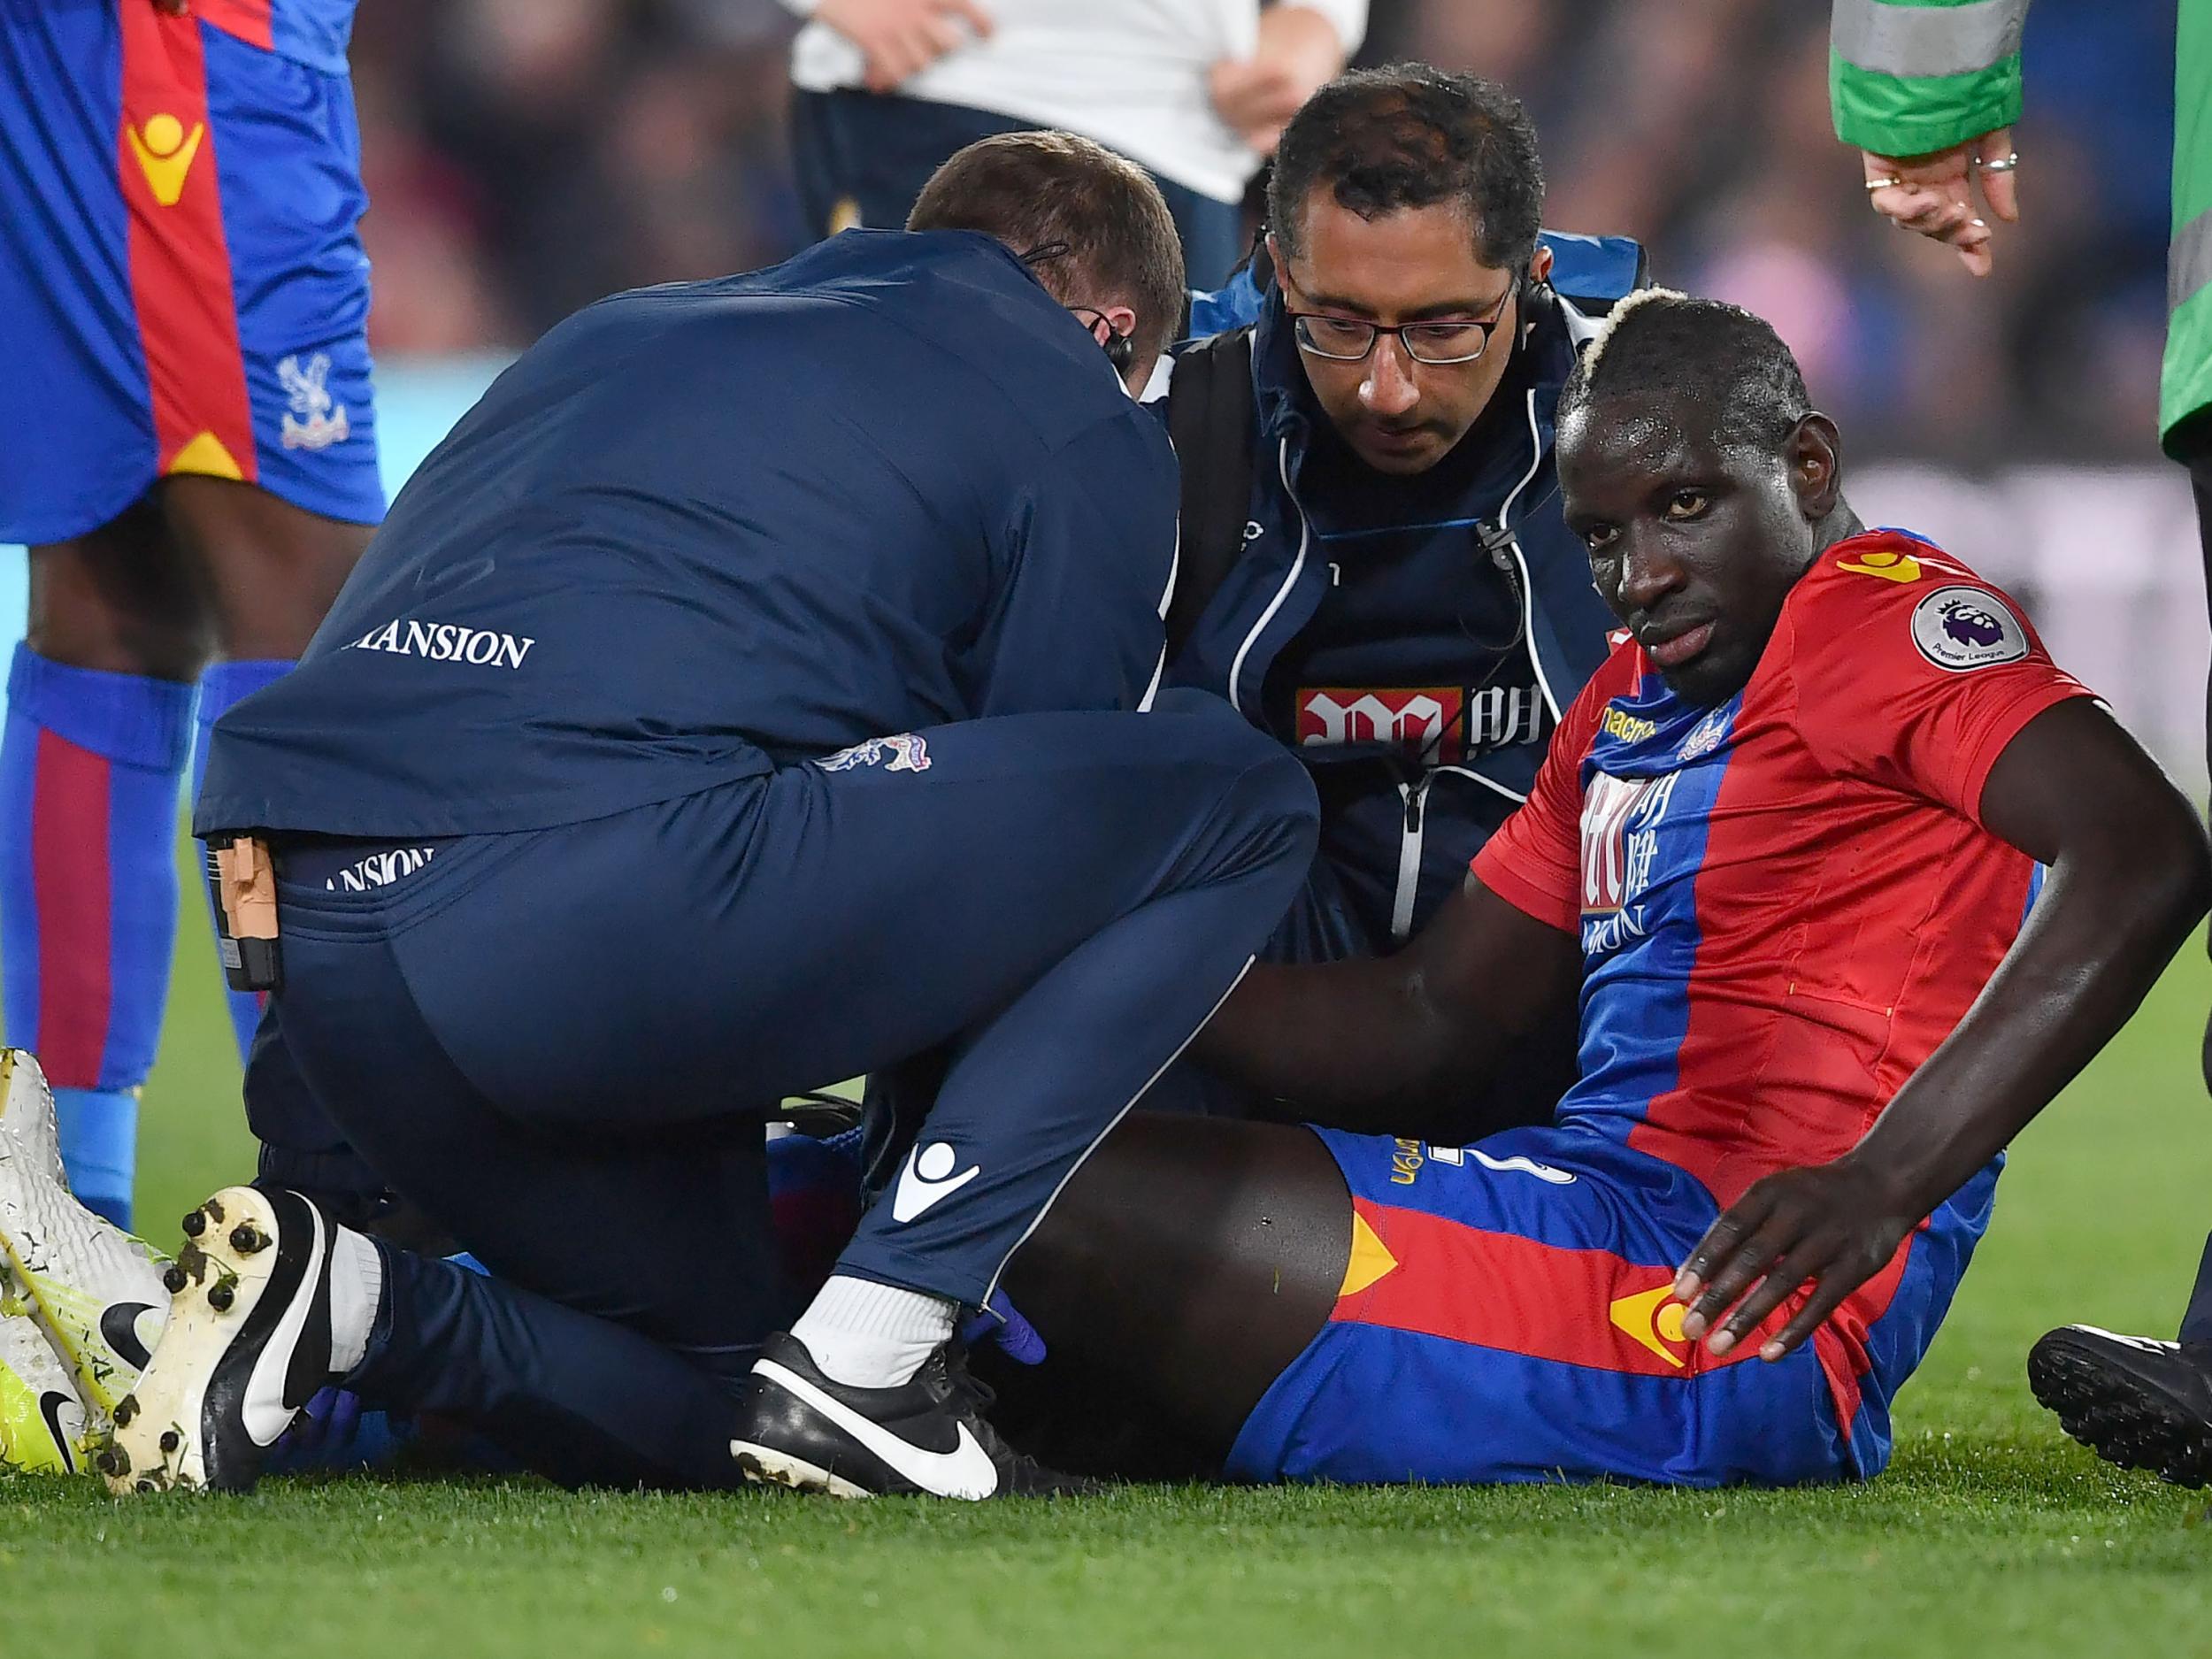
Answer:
(94, 1291)
(42, 1420)
(26, 1112)
(248, 1344)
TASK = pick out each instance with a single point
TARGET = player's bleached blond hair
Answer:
(1621, 312)
(1664, 343)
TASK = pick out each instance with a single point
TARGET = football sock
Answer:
(98, 1131)
(867, 1335)
(89, 764)
(221, 687)
(356, 1291)
(2196, 1324)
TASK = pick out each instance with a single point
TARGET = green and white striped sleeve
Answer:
(1906, 77)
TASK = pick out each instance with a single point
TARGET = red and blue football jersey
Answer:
(1783, 903)
(1787, 901)
(315, 33)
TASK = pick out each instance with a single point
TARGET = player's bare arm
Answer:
(1348, 1044)
(2130, 877)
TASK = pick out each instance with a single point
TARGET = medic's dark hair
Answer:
(1411, 135)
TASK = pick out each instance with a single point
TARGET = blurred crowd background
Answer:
(525, 157)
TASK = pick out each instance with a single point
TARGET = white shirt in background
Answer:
(1130, 73)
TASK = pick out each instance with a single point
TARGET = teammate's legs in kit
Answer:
(101, 717)
(99, 729)
(271, 570)
(148, 398)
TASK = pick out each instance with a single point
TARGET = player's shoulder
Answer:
(1880, 568)
(1892, 584)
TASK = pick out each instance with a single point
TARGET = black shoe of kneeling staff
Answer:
(799, 1428)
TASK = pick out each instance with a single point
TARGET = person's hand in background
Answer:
(1298, 50)
(1934, 193)
(901, 38)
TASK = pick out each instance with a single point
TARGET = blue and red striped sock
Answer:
(222, 688)
(89, 764)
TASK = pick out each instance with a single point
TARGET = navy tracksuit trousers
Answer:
(561, 1044)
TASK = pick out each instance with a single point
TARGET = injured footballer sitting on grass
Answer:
(1850, 879)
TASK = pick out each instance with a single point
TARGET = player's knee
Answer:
(274, 569)
(1284, 788)
(1272, 801)
(121, 601)
(121, 641)
(1260, 782)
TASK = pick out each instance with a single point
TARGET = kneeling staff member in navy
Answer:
(755, 689)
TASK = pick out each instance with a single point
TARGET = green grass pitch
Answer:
(1991, 1534)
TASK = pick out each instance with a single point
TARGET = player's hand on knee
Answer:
(1824, 1231)
(901, 38)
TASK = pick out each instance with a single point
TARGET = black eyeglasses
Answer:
(1349, 340)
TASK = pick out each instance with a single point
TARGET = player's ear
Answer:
(1815, 457)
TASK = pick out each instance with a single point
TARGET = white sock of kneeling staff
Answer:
(356, 1290)
(867, 1335)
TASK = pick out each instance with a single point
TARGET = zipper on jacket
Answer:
(1511, 544)
(1415, 797)
(1305, 533)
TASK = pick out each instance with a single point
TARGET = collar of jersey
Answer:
(1654, 727)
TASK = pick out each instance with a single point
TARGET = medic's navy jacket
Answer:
(703, 530)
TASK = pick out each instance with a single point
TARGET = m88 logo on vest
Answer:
(1442, 724)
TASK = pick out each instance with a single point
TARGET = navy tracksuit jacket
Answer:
(751, 683)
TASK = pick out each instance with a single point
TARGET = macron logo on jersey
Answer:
(928, 1176)
(445, 642)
